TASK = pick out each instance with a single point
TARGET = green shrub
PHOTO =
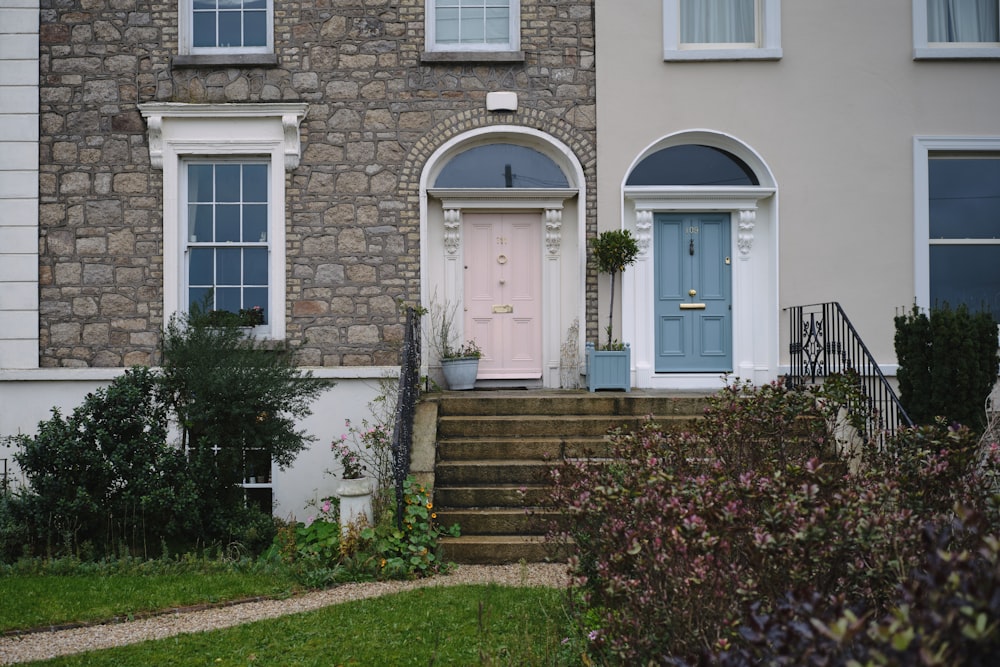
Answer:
(679, 531)
(234, 398)
(104, 475)
(947, 364)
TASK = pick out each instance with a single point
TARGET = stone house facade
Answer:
(348, 110)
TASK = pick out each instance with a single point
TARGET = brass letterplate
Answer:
(692, 306)
(505, 308)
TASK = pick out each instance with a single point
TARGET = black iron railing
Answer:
(4, 481)
(823, 342)
(406, 405)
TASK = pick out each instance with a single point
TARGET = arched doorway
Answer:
(502, 244)
(701, 301)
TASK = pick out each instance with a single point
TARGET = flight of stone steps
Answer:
(494, 451)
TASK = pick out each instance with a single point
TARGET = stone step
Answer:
(498, 495)
(534, 426)
(499, 521)
(477, 473)
(541, 448)
(500, 549)
(555, 402)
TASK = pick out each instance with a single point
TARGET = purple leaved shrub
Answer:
(682, 536)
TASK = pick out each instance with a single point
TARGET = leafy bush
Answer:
(677, 532)
(946, 613)
(947, 364)
(104, 476)
(234, 398)
(322, 552)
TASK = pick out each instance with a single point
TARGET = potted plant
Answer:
(608, 367)
(354, 490)
(459, 361)
(461, 365)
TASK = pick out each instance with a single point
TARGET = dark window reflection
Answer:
(692, 164)
(964, 198)
(966, 274)
(501, 166)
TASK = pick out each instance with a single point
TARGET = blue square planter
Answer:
(609, 369)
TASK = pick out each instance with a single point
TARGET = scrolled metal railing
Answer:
(824, 342)
(406, 406)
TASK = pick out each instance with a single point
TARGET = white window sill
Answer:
(226, 60)
(472, 56)
(721, 54)
(956, 53)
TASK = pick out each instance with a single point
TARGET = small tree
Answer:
(614, 250)
(947, 364)
(232, 396)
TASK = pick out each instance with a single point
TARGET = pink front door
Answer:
(503, 306)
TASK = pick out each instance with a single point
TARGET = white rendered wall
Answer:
(27, 397)
(834, 119)
(18, 184)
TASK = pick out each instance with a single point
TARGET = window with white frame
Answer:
(956, 29)
(721, 29)
(210, 27)
(958, 223)
(473, 25)
(227, 245)
(224, 170)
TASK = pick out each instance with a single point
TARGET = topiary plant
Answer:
(614, 250)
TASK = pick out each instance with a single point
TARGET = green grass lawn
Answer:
(455, 625)
(33, 600)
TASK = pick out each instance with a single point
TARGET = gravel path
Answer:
(42, 645)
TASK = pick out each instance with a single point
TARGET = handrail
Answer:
(406, 406)
(823, 342)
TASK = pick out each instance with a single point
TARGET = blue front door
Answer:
(693, 311)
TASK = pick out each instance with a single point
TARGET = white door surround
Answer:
(754, 272)
(563, 251)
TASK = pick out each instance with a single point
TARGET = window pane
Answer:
(227, 223)
(204, 4)
(255, 266)
(227, 182)
(200, 182)
(230, 29)
(963, 21)
(472, 26)
(200, 223)
(228, 265)
(497, 25)
(200, 267)
(200, 295)
(204, 29)
(964, 198)
(255, 296)
(692, 164)
(718, 21)
(254, 223)
(255, 182)
(446, 26)
(255, 4)
(255, 29)
(966, 275)
(228, 298)
(501, 166)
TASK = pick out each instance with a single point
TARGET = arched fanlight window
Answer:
(692, 164)
(501, 166)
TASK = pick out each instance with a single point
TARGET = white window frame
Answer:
(185, 37)
(188, 244)
(925, 50)
(923, 147)
(513, 44)
(768, 47)
(268, 132)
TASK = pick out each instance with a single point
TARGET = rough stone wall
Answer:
(376, 113)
